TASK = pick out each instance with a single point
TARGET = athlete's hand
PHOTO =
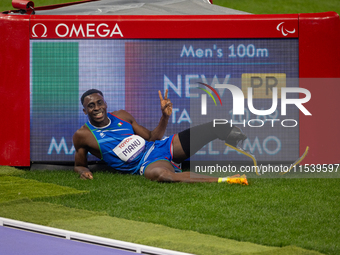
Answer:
(86, 175)
(166, 104)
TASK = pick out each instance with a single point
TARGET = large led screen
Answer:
(130, 73)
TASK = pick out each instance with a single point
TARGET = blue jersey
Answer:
(119, 146)
(127, 152)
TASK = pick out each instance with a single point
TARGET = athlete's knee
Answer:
(159, 174)
(166, 176)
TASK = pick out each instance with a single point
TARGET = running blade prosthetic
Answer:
(235, 141)
(297, 161)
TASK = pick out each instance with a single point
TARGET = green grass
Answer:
(252, 6)
(273, 212)
(14, 188)
(43, 213)
(160, 236)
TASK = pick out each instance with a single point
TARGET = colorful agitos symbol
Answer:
(209, 93)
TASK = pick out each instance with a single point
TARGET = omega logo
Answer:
(86, 30)
(45, 30)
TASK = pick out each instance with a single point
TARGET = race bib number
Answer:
(128, 149)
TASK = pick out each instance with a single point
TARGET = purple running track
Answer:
(16, 241)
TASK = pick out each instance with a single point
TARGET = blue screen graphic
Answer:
(130, 73)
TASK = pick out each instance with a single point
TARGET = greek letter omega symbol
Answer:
(33, 30)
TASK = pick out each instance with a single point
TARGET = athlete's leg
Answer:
(163, 171)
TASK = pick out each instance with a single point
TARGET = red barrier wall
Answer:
(14, 91)
(319, 58)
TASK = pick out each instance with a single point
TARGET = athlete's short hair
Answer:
(89, 92)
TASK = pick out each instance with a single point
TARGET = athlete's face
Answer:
(96, 109)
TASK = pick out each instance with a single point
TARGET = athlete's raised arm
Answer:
(166, 108)
(158, 132)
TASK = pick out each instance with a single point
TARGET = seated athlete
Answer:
(123, 144)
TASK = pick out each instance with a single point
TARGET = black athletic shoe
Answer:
(235, 136)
